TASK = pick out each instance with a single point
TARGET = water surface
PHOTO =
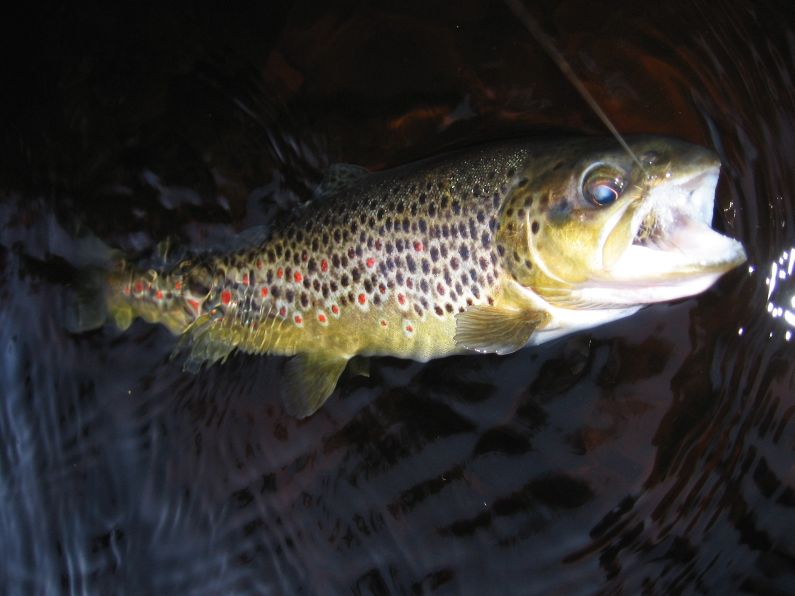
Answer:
(653, 454)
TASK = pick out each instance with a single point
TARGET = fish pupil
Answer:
(603, 194)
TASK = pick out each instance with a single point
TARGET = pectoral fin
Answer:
(493, 329)
(309, 381)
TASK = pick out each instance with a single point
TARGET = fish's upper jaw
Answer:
(663, 248)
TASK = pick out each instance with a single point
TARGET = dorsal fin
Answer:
(338, 177)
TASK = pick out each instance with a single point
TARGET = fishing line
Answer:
(549, 47)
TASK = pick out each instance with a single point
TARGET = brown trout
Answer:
(482, 250)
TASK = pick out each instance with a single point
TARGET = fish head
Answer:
(595, 229)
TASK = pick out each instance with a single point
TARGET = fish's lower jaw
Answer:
(670, 251)
(686, 263)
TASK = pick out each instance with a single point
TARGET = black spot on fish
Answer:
(485, 239)
(535, 226)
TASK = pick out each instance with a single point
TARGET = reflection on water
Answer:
(653, 454)
(780, 292)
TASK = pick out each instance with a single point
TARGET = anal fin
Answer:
(498, 330)
(310, 379)
(207, 342)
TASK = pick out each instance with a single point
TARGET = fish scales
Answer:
(379, 269)
(486, 249)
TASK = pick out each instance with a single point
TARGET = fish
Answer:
(482, 250)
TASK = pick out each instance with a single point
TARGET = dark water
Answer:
(654, 454)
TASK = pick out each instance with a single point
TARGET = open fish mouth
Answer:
(664, 247)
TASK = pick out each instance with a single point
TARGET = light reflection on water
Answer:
(781, 291)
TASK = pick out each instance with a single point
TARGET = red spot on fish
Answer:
(298, 277)
(282, 312)
(371, 262)
(280, 273)
(138, 287)
(409, 328)
(226, 297)
(418, 246)
(245, 279)
(264, 292)
(177, 285)
(362, 298)
(335, 309)
(194, 304)
(383, 323)
(298, 320)
(401, 299)
(324, 265)
(304, 256)
(382, 288)
(321, 317)
(259, 263)
(159, 294)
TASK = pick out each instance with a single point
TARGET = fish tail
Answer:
(90, 302)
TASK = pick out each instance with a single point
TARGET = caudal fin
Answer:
(86, 307)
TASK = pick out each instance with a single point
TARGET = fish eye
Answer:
(602, 185)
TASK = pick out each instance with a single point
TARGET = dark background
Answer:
(651, 454)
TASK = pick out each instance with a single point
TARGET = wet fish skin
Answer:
(486, 249)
